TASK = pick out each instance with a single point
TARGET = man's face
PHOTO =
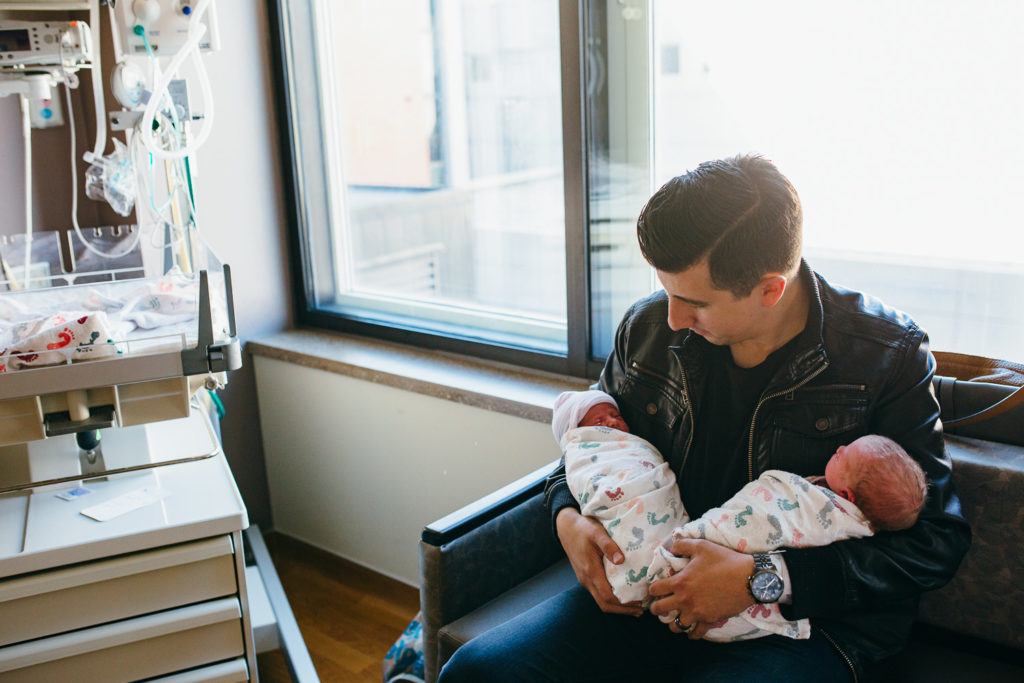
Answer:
(604, 415)
(715, 314)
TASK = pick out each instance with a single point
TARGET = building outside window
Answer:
(469, 172)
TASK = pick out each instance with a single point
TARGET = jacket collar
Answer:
(810, 356)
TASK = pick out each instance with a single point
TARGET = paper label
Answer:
(72, 494)
(115, 507)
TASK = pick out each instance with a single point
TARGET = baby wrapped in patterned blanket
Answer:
(49, 328)
(621, 480)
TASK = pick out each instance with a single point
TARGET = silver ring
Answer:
(684, 629)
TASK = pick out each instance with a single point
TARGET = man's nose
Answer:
(680, 316)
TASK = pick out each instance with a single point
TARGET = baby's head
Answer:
(585, 409)
(881, 479)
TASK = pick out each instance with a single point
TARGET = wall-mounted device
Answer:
(43, 43)
(164, 24)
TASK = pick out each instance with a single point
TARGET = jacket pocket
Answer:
(811, 423)
(652, 405)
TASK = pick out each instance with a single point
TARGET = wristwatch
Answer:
(765, 584)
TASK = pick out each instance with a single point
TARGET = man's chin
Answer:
(708, 337)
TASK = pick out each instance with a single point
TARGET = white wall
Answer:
(239, 197)
(358, 468)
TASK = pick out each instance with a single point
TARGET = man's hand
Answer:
(712, 587)
(586, 543)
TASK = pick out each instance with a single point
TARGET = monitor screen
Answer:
(15, 40)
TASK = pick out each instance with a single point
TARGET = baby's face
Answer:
(604, 415)
(839, 469)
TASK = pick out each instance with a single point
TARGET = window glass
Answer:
(436, 193)
(444, 149)
(897, 122)
(617, 96)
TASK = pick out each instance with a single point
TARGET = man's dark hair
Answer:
(739, 213)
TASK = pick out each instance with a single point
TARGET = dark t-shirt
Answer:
(718, 463)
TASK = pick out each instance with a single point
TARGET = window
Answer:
(468, 173)
(897, 122)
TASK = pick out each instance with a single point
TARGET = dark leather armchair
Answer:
(497, 557)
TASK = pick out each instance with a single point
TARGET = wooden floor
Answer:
(349, 616)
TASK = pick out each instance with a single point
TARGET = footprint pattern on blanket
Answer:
(825, 515)
(638, 536)
(775, 536)
(634, 577)
(654, 521)
(786, 505)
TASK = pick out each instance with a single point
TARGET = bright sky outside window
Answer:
(899, 125)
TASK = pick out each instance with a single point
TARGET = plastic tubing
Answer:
(195, 30)
(97, 84)
(74, 192)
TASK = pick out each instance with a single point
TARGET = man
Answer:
(747, 361)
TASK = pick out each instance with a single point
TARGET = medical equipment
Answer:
(163, 27)
(106, 330)
(34, 55)
(44, 43)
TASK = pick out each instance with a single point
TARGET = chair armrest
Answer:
(480, 551)
(482, 510)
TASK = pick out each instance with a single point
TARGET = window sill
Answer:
(498, 387)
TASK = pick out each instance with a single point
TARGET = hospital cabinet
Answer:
(152, 592)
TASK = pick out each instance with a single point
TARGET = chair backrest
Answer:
(985, 598)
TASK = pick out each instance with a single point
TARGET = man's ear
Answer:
(772, 287)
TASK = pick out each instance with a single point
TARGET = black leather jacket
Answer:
(867, 371)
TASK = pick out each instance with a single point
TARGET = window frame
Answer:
(577, 362)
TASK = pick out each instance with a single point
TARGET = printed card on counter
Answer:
(115, 507)
(72, 494)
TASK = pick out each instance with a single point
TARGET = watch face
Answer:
(766, 587)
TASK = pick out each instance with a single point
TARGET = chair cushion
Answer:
(552, 581)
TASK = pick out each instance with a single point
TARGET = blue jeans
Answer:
(567, 638)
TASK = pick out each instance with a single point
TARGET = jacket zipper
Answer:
(753, 420)
(684, 388)
(846, 658)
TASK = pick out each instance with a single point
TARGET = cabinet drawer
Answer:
(129, 650)
(85, 595)
(235, 671)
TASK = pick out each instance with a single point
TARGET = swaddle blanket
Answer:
(50, 327)
(778, 509)
(75, 335)
(621, 480)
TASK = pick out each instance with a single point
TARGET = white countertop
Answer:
(39, 530)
